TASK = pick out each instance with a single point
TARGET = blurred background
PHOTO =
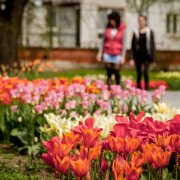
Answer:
(71, 31)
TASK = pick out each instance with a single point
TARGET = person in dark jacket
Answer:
(143, 50)
(113, 49)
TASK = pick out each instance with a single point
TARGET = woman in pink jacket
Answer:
(113, 50)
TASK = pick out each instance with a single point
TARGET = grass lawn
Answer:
(173, 83)
(14, 166)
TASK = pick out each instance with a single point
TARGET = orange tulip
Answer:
(156, 155)
(118, 169)
(90, 137)
(62, 165)
(125, 145)
(148, 149)
(137, 159)
(71, 138)
(160, 140)
(94, 153)
(116, 144)
(131, 144)
(80, 167)
(62, 149)
(90, 153)
(173, 142)
(160, 158)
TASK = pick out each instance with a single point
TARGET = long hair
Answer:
(116, 17)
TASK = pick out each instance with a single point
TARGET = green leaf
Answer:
(166, 174)
(21, 135)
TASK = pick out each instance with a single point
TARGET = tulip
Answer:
(125, 145)
(62, 149)
(80, 167)
(70, 138)
(131, 144)
(56, 147)
(121, 119)
(104, 165)
(90, 137)
(137, 159)
(119, 169)
(121, 130)
(160, 158)
(49, 145)
(62, 165)
(160, 140)
(48, 159)
(133, 173)
(94, 152)
(116, 144)
(173, 142)
(147, 150)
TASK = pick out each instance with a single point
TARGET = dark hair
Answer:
(143, 16)
(116, 17)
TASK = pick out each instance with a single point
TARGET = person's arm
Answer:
(124, 46)
(133, 49)
(153, 47)
(133, 46)
(100, 51)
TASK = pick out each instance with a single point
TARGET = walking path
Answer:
(171, 98)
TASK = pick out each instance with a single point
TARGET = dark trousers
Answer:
(142, 68)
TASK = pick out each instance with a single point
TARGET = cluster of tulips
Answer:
(137, 147)
(81, 96)
(24, 103)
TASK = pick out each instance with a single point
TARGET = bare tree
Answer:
(11, 13)
(143, 5)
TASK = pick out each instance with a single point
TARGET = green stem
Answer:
(69, 174)
(149, 176)
(176, 165)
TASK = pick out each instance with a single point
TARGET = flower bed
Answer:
(24, 103)
(136, 147)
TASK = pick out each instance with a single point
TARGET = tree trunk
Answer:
(10, 30)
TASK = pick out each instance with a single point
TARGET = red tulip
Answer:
(104, 165)
(121, 130)
(174, 125)
(48, 159)
(121, 119)
(89, 122)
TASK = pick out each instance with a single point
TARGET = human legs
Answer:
(139, 74)
(116, 68)
(146, 74)
(109, 72)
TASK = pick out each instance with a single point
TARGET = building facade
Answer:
(81, 23)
